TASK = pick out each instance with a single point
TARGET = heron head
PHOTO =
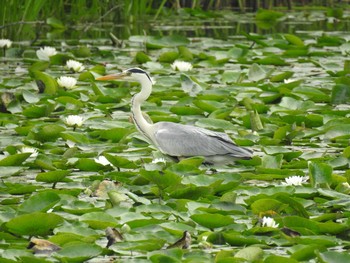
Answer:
(131, 74)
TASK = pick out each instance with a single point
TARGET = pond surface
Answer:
(280, 87)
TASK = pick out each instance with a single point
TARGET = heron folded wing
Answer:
(184, 140)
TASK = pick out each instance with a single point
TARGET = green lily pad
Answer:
(34, 224)
(250, 253)
(48, 132)
(48, 83)
(264, 205)
(10, 170)
(52, 176)
(320, 173)
(236, 239)
(99, 220)
(78, 252)
(294, 40)
(15, 159)
(212, 220)
(120, 162)
(40, 202)
(333, 257)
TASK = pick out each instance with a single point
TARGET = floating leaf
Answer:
(189, 85)
(114, 134)
(282, 76)
(338, 130)
(141, 57)
(307, 252)
(162, 181)
(40, 202)
(168, 57)
(294, 40)
(272, 60)
(236, 239)
(186, 110)
(49, 85)
(302, 225)
(185, 53)
(48, 132)
(269, 161)
(256, 73)
(37, 111)
(30, 97)
(333, 257)
(34, 224)
(15, 159)
(166, 41)
(120, 162)
(99, 220)
(320, 173)
(264, 205)
(340, 94)
(142, 245)
(10, 170)
(250, 254)
(279, 259)
(212, 220)
(86, 164)
(78, 252)
(52, 176)
(83, 52)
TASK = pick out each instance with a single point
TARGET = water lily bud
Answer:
(125, 228)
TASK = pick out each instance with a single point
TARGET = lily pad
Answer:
(15, 159)
(212, 220)
(78, 252)
(34, 224)
(40, 202)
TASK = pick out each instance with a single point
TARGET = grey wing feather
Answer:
(185, 140)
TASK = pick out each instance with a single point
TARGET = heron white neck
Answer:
(141, 123)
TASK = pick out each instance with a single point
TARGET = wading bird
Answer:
(179, 140)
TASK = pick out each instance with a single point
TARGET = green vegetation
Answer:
(88, 187)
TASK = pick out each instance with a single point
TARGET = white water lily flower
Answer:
(158, 160)
(74, 120)
(45, 53)
(295, 180)
(67, 82)
(181, 65)
(75, 65)
(27, 149)
(269, 222)
(102, 160)
(5, 43)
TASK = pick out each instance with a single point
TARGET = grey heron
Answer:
(174, 139)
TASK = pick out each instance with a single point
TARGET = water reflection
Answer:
(222, 27)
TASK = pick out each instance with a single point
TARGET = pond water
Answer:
(280, 87)
(220, 25)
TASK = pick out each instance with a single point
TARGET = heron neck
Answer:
(141, 123)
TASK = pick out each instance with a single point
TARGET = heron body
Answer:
(179, 140)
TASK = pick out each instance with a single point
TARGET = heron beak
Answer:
(113, 76)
